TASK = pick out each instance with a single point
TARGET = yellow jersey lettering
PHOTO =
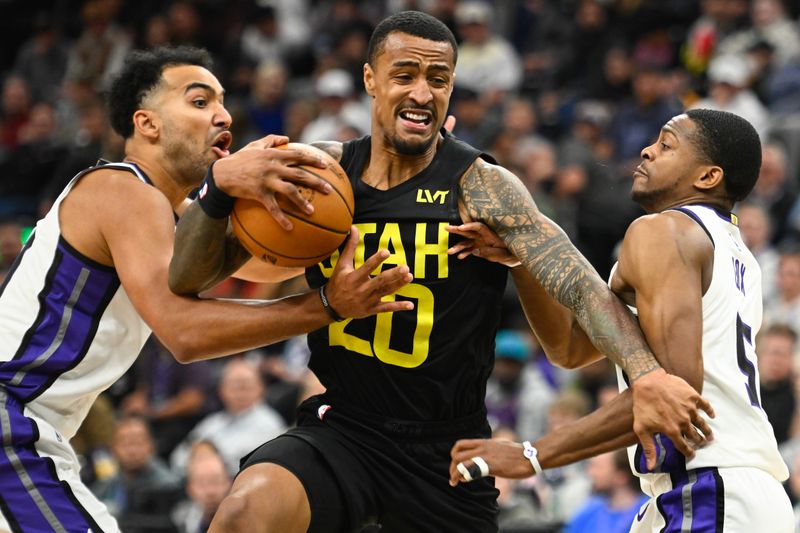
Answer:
(423, 249)
(422, 333)
(327, 266)
(338, 337)
(364, 229)
(424, 196)
(391, 240)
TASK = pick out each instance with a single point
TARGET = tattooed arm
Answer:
(494, 196)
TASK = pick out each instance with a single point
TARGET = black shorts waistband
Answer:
(471, 424)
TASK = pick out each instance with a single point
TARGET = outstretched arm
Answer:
(665, 404)
(665, 259)
(492, 195)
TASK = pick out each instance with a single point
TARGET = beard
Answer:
(408, 147)
(187, 158)
(650, 199)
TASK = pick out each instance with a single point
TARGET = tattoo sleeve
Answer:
(494, 196)
(333, 149)
(206, 252)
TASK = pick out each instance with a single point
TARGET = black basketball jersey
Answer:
(431, 363)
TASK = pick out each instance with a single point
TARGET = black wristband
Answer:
(327, 306)
(215, 202)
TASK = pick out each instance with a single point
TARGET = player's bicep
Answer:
(139, 235)
(665, 271)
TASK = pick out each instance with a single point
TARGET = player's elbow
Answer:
(180, 284)
(184, 346)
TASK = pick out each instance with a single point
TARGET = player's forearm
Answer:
(206, 329)
(606, 429)
(202, 255)
(560, 336)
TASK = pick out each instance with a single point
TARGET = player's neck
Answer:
(387, 168)
(161, 175)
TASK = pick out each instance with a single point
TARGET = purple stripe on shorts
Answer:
(696, 503)
(668, 458)
(72, 302)
(31, 492)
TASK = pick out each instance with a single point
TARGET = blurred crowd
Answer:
(565, 93)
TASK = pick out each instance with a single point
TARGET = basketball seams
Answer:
(335, 189)
(275, 253)
(314, 233)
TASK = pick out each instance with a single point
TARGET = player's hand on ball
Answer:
(503, 457)
(665, 403)
(355, 293)
(260, 170)
(481, 241)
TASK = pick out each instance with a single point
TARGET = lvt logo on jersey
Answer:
(425, 196)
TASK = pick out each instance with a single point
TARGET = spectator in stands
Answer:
(756, 229)
(770, 23)
(42, 59)
(244, 423)
(638, 120)
(24, 174)
(562, 491)
(143, 491)
(15, 107)
(207, 483)
(475, 124)
(264, 109)
(517, 395)
(487, 63)
(775, 190)
(728, 78)
(785, 308)
(776, 348)
(615, 500)
(100, 50)
(174, 397)
(718, 19)
(337, 108)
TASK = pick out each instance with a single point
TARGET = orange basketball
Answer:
(313, 237)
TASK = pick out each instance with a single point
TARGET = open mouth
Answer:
(222, 144)
(417, 119)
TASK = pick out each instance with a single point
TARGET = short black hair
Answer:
(141, 73)
(728, 140)
(413, 23)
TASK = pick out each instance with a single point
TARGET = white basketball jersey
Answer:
(67, 328)
(732, 307)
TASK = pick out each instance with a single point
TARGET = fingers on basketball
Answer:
(314, 236)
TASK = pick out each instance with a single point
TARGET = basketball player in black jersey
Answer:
(401, 388)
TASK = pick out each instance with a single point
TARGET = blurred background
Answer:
(565, 93)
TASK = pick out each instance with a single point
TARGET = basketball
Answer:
(314, 236)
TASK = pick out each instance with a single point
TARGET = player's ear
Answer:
(710, 178)
(147, 123)
(369, 80)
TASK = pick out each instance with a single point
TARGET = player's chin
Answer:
(413, 145)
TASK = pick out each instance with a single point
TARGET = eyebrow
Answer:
(204, 86)
(415, 64)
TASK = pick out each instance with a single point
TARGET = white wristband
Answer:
(530, 453)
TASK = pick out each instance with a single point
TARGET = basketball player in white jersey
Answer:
(697, 291)
(91, 283)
